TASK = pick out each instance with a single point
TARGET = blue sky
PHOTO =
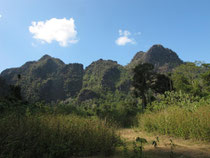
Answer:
(82, 31)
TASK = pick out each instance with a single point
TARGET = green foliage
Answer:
(48, 79)
(172, 148)
(162, 84)
(122, 113)
(146, 82)
(104, 75)
(142, 81)
(180, 99)
(192, 78)
(185, 111)
(115, 108)
(206, 82)
(53, 136)
(155, 142)
(137, 148)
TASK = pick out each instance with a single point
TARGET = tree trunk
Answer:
(144, 101)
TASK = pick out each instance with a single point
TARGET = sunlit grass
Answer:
(179, 122)
(55, 136)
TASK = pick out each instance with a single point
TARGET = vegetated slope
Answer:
(47, 79)
(102, 76)
(50, 79)
(163, 59)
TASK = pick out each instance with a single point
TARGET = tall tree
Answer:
(146, 82)
(143, 80)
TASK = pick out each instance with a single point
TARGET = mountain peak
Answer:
(157, 46)
(44, 57)
(162, 58)
(48, 59)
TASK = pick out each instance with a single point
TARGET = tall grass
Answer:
(178, 121)
(55, 136)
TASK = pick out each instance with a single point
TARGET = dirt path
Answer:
(183, 148)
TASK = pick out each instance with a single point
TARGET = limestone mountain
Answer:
(47, 79)
(103, 74)
(50, 79)
(163, 59)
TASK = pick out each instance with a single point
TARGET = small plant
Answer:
(155, 142)
(138, 147)
(172, 148)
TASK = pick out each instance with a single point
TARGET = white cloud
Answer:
(121, 41)
(61, 30)
(0, 16)
(124, 38)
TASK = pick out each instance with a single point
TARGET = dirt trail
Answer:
(183, 148)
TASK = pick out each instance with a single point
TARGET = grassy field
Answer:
(55, 136)
(74, 136)
(182, 131)
(180, 122)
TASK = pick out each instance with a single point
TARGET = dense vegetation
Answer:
(184, 112)
(41, 131)
(179, 115)
(50, 109)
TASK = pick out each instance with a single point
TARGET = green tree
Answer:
(191, 78)
(143, 81)
(162, 83)
(206, 79)
(146, 82)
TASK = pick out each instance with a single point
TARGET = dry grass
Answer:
(183, 148)
(55, 136)
(179, 122)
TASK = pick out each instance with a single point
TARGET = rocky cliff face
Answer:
(163, 59)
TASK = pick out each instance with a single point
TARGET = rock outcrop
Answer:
(163, 59)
